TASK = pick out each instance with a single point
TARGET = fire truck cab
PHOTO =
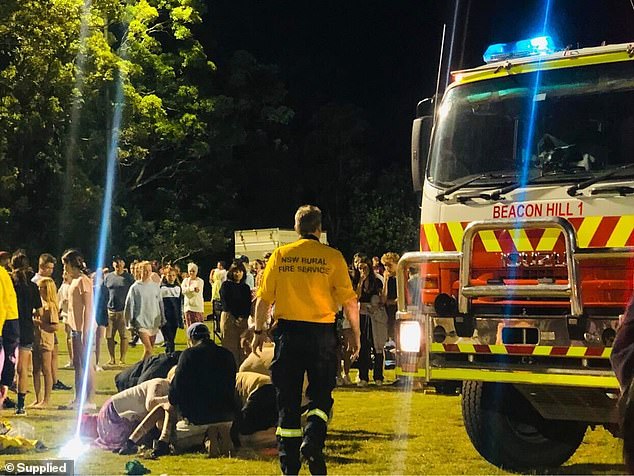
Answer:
(526, 169)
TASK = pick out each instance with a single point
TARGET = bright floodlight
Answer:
(74, 449)
(410, 336)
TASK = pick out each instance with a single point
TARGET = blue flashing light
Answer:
(540, 45)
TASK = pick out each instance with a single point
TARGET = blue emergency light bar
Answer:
(541, 45)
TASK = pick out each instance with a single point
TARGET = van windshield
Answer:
(583, 125)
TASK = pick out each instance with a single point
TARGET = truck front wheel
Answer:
(509, 433)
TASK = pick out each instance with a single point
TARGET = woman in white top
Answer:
(193, 290)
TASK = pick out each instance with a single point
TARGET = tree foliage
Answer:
(385, 217)
(59, 89)
(205, 147)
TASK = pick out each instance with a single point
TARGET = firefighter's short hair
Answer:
(307, 219)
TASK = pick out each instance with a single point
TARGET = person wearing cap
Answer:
(307, 281)
(192, 286)
(204, 383)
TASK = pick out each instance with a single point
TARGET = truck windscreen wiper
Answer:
(572, 191)
(495, 195)
(468, 181)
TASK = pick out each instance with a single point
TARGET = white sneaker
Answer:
(378, 382)
(346, 380)
(362, 383)
(69, 365)
(99, 368)
(339, 381)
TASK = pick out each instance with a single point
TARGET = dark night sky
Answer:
(382, 55)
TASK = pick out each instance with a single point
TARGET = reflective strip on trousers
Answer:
(317, 412)
(289, 432)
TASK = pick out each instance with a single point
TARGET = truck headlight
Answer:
(410, 335)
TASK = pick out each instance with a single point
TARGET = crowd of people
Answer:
(139, 303)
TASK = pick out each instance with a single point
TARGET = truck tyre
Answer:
(509, 433)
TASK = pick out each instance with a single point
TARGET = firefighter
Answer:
(307, 281)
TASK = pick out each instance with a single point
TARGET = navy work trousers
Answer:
(311, 349)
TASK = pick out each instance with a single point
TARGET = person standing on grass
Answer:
(388, 295)
(307, 281)
(80, 306)
(368, 288)
(144, 308)
(171, 294)
(45, 328)
(236, 307)
(101, 313)
(45, 267)
(29, 302)
(62, 299)
(193, 291)
(217, 276)
(10, 331)
(117, 284)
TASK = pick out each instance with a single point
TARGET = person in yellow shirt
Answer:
(9, 330)
(307, 281)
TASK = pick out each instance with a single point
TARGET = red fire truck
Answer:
(526, 169)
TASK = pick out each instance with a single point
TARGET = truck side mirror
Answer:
(421, 139)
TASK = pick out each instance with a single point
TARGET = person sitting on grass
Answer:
(259, 407)
(44, 342)
(121, 413)
(202, 391)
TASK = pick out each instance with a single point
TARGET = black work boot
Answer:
(314, 456)
(288, 449)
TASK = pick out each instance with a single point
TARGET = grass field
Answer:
(374, 431)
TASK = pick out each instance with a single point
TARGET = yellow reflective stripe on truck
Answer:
(536, 350)
(568, 61)
(517, 377)
(600, 231)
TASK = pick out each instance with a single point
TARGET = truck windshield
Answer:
(582, 126)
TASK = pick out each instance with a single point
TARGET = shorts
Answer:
(116, 324)
(150, 332)
(102, 318)
(27, 347)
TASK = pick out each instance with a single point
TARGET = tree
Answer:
(386, 216)
(58, 91)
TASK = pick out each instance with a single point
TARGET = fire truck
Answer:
(526, 169)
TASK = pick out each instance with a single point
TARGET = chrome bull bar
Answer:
(572, 290)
